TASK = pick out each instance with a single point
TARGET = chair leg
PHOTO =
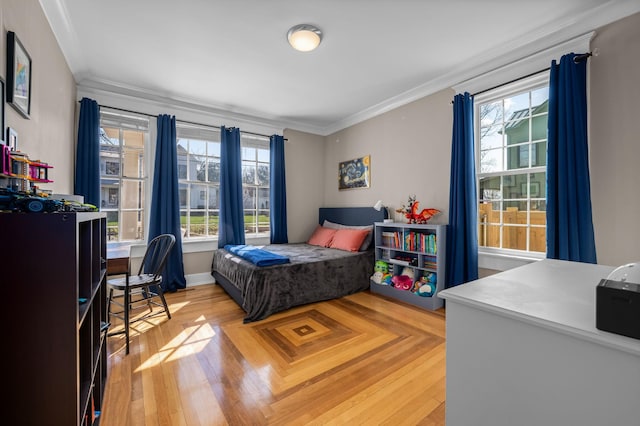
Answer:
(127, 308)
(147, 296)
(164, 301)
(109, 303)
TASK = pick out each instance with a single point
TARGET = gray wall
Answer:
(304, 160)
(614, 115)
(410, 154)
(49, 134)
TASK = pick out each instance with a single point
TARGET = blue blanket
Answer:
(256, 255)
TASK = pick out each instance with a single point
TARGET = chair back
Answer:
(157, 254)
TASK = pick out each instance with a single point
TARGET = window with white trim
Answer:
(511, 130)
(255, 184)
(123, 176)
(199, 181)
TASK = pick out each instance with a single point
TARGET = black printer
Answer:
(618, 301)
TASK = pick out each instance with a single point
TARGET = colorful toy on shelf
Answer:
(20, 172)
(426, 285)
(401, 282)
(410, 211)
(22, 202)
(381, 273)
(15, 201)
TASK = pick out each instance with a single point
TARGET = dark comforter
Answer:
(313, 274)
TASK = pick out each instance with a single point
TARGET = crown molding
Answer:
(534, 43)
(57, 15)
(154, 103)
(531, 64)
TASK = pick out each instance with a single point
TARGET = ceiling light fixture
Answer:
(304, 37)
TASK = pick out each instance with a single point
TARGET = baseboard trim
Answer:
(199, 279)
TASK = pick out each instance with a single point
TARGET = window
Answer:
(122, 174)
(199, 181)
(255, 183)
(511, 127)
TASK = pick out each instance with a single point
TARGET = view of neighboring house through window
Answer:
(511, 130)
(122, 174)
(255, 183)
(199, 181)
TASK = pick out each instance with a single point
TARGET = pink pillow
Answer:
(349, 239)
(322, 236)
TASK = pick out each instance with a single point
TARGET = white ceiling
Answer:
(233, 56)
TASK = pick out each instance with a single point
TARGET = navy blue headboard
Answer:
(352, 216)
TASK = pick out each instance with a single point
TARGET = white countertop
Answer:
(554, 294)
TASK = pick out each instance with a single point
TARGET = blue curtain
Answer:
(569, 224)
(462, 232)
(165, 202)
(231, 226)
(87, 176)
(277, 191)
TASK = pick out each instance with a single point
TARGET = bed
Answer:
(313, 274)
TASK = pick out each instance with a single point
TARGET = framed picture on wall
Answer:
(12, 139)
(2, 122)
(354, 173)
(18, 75)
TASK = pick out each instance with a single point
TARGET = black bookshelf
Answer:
(53, 269)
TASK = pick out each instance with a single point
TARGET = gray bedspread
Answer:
(314, 274)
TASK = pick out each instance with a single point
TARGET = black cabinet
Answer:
(53, 269)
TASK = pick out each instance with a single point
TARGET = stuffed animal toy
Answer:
(381, 266)
(381, 270)
(426, 285)
(404, 281)
(410, 272)
(401, 282)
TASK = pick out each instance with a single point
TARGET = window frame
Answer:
(211, 134)
(206, 135)
(127, 121)
(524, 85)
(257, 142)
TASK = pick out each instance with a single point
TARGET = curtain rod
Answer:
(511, 81)
(182, 121)
(576, 59)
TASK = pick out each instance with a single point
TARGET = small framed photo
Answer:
(18, 75)
(12, 139)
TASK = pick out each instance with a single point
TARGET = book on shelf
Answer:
(388, 239)
(420, 241)
(430, 265)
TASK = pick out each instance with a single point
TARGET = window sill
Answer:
(210, 244)
(192, 246)
(505, 261)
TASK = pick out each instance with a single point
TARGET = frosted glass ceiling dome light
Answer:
(304, 37)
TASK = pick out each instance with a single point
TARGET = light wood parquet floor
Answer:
(358, 360)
